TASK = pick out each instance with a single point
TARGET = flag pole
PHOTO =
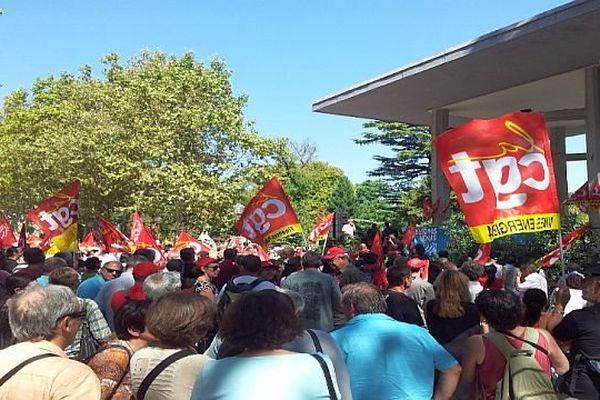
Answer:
(562, 255)
(324, 245)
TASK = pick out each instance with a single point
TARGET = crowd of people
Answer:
(299, 326)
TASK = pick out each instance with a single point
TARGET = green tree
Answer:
(164, 135)
(374, 203)
(411, 146)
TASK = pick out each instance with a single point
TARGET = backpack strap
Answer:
(315, 340)
(327, 374)
(16, 369)
(145, 385)
(530, 337)
(500, 341)
(256, 282)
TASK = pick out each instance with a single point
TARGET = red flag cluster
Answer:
(587, 194)
(567, 241)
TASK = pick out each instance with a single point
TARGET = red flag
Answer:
(23, 237)
(237, 242)
(428, 210)
(185, 240)
(377, 247)
(7, 236)
(581, 195)
(501, 171)
(567, 241)
(320, 231)
(409, 235)
(269, 216)
(57, 218)
(595, 191)
(137, 226)
(114, 240)
(88, 241)
(483, 254)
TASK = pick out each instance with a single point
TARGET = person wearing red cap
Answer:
(140, 272)
(209, 268)
(347, 272)
(420, 290)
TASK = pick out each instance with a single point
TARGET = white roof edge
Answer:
(558, 14)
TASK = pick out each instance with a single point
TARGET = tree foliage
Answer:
(411, 146)
(163, 135)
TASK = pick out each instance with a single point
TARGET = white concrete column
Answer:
(559, 160)
(592, 134)
(439, 185)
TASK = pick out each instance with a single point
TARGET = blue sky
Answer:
(283, 54)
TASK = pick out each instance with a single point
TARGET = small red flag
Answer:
(142, 237)
(7, 236)
(483, 254)
(567, 241)
(409, 235)
(88, 241)
(377, 247)
(185, 240)
(320, 231)
(23, 237)
(114, 240)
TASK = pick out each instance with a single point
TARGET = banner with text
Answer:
(501, 171)
(57, 218)
(268, 216)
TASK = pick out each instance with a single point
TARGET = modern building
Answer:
(548, 63)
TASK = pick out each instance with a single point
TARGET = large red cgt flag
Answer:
(501, 171)
(320, 231)
(269, 216)
(114, 240)
(185, 240)
(7, 236)
(57, 218)
(567, 241)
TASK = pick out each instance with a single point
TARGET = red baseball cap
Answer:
(416, 263)
(204, 261)
(333, 252)
(145, 269)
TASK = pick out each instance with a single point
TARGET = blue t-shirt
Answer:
(388, 359)
(291, 377)
(89, 288)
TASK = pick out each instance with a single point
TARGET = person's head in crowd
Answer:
(250, 265)
(369, 258)
(111, 270)
(34, 256)
(309, 260)
(512, 260)
(64, 276)
(416, 264)
(535, 302)
(261, 320)
(134, 260)
(187, 255)
(67, 256)
(494, 256)
(400, 261)
(130, 321)
(209, 267)
(399, 277)
(291, 265)
(52, 263)
(420, 250)
(180, 320)
(92, 264)
(502, 309)
(362, 298)
(575, 280)
(451, 292)
(13, 253)
(286, 253)
(362, 248)
(269, 271)
(338, 257)
(50, 312)
(161, 283)
(203, 253)
(230, 254)
(147, 253)
(443, 255)
(143, 270)
(591, 284)
(175, 265)
(124, 257)
(472, 270)
(17, 282)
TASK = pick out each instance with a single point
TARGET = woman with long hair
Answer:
(451, 313)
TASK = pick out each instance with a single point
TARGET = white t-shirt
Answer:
(534, 281)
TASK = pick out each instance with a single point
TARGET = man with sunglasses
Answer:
(89, 288)
(44, 320)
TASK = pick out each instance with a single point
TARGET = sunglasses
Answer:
(213, 268)
(113, 271)
(80, 315)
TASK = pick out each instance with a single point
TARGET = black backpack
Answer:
(233, 291)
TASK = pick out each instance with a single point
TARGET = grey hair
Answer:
(296, 298)
(161, 283)
(364, 297)
(34, 312)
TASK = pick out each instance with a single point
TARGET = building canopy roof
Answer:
(536, 64)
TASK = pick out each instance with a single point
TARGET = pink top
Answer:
(491, 371)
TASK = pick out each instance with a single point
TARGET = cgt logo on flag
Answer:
(321, 229)
(501, 171)
(268, 216)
